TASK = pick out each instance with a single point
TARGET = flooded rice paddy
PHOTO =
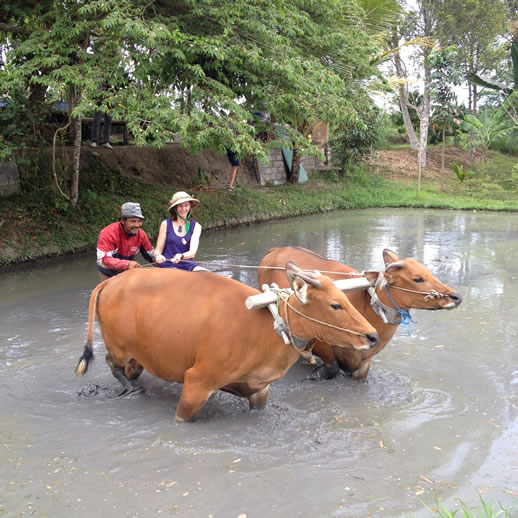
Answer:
(437, 416)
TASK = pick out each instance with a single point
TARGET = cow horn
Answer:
(310, 277)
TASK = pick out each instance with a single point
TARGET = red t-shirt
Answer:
(115, 248)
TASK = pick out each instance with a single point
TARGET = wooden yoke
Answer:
(262, 300)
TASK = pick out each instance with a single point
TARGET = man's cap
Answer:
(131, 210)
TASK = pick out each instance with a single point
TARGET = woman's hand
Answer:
(177, 258)
(159, 258)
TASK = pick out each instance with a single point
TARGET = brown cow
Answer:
(404, 284)
(194, 328)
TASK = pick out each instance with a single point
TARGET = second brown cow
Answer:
(404, 284)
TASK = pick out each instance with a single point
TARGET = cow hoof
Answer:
(323, 372)
(328, 372)
(136, 390)
(123, 392)
(126, 391)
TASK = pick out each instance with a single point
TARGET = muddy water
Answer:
(438, 415)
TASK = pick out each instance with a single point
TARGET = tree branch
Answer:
(4, 27)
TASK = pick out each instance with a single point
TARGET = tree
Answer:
(444, 74)
(507, 82)
(420, 23)
(475, 28)
(194, 68)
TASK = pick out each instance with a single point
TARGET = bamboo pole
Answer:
(261, 300)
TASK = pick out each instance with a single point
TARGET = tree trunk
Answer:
(424, 116)
(403, 103)
(418, 170)
(295, 166)
(74, 186)
(443, 153)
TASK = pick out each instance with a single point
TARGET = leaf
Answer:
(486, 82)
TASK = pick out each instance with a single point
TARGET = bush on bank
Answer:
(38, 223)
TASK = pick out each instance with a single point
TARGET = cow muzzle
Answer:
(372, 341)
(454, 300)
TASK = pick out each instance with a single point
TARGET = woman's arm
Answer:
(195, 242)
(160, 242)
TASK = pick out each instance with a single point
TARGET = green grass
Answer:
(485, 510)
(38, 223)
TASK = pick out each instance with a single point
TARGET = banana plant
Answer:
(489, 125)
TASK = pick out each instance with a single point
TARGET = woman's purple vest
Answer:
(175, 245)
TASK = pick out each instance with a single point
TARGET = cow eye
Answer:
(418, 279)
(337, 306)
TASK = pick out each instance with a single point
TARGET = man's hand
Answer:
(133, 264)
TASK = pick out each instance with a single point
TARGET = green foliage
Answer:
(14, 123)
(388, 132)
(475, 28)
(356, 138)
(199, 69)
(506, 144)
(443, 75)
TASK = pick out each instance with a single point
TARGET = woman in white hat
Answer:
(179, 235)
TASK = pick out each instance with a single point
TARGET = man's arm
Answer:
(106, 247)
(146, 249)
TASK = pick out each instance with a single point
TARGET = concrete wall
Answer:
(9, 178)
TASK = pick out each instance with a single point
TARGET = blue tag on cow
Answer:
(406, 321)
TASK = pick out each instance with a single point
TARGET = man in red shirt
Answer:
(119, 242)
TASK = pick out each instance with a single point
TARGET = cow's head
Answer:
(412, 285)
(320, 310)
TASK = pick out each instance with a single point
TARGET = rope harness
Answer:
(429, 295)
(302, 346)
(396, 316)
(254, 267)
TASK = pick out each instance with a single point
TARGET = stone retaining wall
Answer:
(9, 178)
(276, 172)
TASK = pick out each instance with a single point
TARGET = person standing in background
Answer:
(235, 163)
(96, 124)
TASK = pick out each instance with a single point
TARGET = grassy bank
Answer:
(39, 224)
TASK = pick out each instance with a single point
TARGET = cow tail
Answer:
(88, 352)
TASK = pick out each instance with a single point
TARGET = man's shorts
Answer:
(232, 158)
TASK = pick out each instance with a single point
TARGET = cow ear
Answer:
(389, 257)
(300, 288)
(394, 266)
(372, 277)
(300, 280)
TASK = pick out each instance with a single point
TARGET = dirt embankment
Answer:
(401, 164)
(176, 166)
(171, 165)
